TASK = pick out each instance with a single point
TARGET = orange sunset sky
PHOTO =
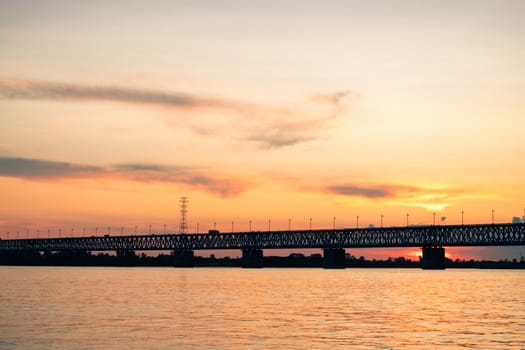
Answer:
(261, 110)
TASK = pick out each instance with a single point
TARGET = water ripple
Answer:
(165, 308)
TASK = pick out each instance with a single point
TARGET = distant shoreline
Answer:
(293, 260)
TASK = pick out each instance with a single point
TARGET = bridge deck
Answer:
(411, 236)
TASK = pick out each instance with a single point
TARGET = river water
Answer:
(233, 308)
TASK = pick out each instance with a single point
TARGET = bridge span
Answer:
(432, 239)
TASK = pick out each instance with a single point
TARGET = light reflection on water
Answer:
(232, 308)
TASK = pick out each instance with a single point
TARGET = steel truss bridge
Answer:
(408, 236)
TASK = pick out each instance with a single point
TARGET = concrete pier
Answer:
(334, 258)
(433, 258)
(183, 258)
(126, 257)
(252, 258)
(124, 253)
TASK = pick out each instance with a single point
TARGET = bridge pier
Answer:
(183, 258)
(125, 253)
(252, 258)
(126, 257)
(334, 258)
(433, 258)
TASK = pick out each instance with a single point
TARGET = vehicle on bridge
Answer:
(214, 232)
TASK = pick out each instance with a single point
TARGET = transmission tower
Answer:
(183, 228)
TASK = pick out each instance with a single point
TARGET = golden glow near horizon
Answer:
(258, 111)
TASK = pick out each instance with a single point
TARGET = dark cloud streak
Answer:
(180, 175)
(35, 169)
(357, 191)
(371, 192)
(40, 90)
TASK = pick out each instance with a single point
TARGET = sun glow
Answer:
(414, 254)
(434, 207)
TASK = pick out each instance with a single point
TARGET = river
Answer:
(233, 308)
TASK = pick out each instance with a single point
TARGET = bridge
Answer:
(432, 239)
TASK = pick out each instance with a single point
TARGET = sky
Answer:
(272, 112)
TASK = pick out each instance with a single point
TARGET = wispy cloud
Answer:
(35, 169)
(276, 135)
(266, 126)
(279, 127)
